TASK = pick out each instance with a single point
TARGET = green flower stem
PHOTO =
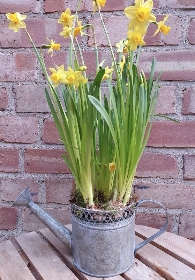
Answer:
(110, 47)
(74, 49)
(70, 63)
(80, 51)
(115, 195)
(40, 59)
(96, 48)
(138, 55)
(78, 6)
(129, 189)
(42, 63)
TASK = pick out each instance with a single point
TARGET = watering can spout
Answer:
(63, 233)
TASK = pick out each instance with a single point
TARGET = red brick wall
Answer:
(30, 151)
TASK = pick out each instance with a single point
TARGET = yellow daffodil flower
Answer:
(121, 47)
(53, 46)
(16, 21)
(58, 75)
(107, 73)
(75, 77)
(79, 29)
(162, 27)
(125, 50)
(112, 166)
(98, 3)
(122, 63)
(83, 68)
(66, 32)
(66, 19)
(140, 14)
(135, 38)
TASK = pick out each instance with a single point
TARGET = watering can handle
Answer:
(158, 233)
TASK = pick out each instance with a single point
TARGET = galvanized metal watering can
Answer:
(102, 242)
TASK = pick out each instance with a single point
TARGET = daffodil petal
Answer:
(132, 23)
(152, 18)
(52, 70)
(130, 12)
(157, 31)
(13, 26)
(148, 4)
(22, 25)
(21, 17)
(165, 18)
(139, 3)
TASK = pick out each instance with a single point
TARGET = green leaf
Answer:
(166, 117)
(104, 114)
(98, 78)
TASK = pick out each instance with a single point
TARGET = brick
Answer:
(187, 226)
(3, 99)
(61, 57)
(44, 161)
(166, 100)
(180, 4)
(116, 34)
(188, 106)
(60, 5)
(157, 165)
(117, 5)
(89, 59)
(31, 222)
(25, 61)
(8, 38)
(48, 29)
(173, 38)
(58, 190)
(19, 6)
(184, 195)
(175, 65)
(156, 3)
(8, 218)
(51, 6)
(9, 160)
(189, 167)
(154, 220)
(39, 37)
(191, 32)
(18, 67)
(16, 129)
(31, 99)
(50, 134)
(172, 134)
(11, 188)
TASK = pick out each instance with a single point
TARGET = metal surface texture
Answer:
(103, 249)
(103, 241)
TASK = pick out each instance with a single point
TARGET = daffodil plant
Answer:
(104, 137)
